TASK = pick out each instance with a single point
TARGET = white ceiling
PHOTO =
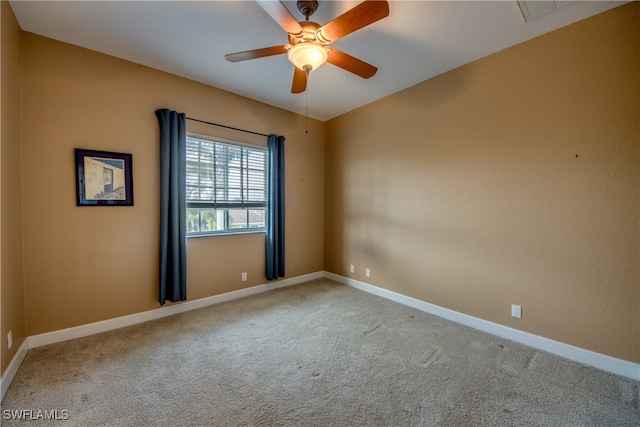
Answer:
(417, 41)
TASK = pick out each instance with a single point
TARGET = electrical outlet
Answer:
(352, 268)
(244, 276)
(9, 340)
(367, 272)
(516, 311)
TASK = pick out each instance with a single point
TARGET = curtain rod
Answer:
(227, 127)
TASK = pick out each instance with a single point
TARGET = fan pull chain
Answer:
(306, 107)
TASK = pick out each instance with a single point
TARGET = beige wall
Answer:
(11, 283)
(76, 98)
(513, 179)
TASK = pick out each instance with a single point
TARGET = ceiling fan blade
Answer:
(351, 64)
(299, 80)
(281, 15)
(256, 53)
(360, 16)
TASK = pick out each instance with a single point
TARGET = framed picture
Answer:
(103, 178)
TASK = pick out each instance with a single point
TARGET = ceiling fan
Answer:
(308, 46)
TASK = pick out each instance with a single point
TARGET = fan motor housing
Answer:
(309, 33)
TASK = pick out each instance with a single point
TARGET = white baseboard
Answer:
(586, 357)
(12, 369)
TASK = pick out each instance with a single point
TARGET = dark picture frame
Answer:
(103, 178)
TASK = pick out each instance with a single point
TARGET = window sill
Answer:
(227, 232)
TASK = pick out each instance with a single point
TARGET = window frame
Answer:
(241, 205)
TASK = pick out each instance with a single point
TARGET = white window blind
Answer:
(226, 186)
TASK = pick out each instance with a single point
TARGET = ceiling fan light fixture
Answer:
(307, 56)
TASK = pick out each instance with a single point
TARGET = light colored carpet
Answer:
(316, 354)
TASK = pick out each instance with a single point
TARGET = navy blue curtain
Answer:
(173, 233)
(275, 209)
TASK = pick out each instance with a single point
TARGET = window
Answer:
(226, 187)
